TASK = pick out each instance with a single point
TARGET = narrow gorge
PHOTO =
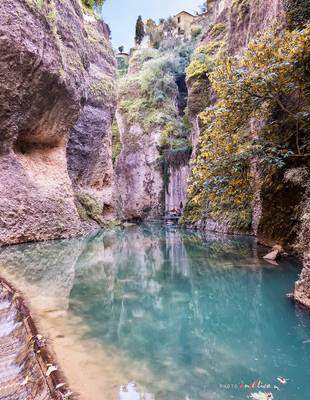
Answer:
(180, 95)
(130, 176)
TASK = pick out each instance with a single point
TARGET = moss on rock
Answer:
(88, 208)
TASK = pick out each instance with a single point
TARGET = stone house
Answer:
(186, 23)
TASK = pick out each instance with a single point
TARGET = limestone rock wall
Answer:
(138, 184)
(276, 202)
(177, 187)
(233, 24)
(242, 19)
(147, 101)
(46, 66)
(89, 150)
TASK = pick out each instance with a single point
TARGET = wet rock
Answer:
(275, 254)
(272, 256)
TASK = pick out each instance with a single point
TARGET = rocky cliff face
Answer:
(147, 100)
(53, 82)
(234, 23)
(177, 187)
(277, 206)
(89, 150)
(139, 185)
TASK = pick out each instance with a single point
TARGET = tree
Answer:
(269, 85)
(169, 25)
(204, 7)
(93, 3)
(121, 49)
(140, 33)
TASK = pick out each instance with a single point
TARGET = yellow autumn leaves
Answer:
(248, 90)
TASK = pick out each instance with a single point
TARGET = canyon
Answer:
(60, 96)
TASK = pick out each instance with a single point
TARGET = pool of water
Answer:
(184, 315)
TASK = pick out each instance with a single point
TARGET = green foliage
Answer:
(103, 88)
(199, 95)
(299, 178)
(140, 33)
(92, 4)
(88, 207)
(147, 96)
(196, 32)
(304, 217)
(35, 4)
(268, 85)
(175, 147)
(52, 16)
(179, 156)
(217, 29)
(162, 35)
(122, 66)
(204, 60)
(116, 142)
(165, 172)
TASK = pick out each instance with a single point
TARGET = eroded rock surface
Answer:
(139, 183)
(46, 70)
(302, 286)
(176, 193)
(89, 149)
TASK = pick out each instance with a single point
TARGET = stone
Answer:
(138, 181)
(278, 248)
(273, 255)
(302, 286)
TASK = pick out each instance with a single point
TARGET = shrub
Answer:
(88, 207)
(92, 4)
(217, 29)
(116, 142)
(268, 84)
(147, 96)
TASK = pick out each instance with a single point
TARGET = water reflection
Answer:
(48, 269)
(190, 313)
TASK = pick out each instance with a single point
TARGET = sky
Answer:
(121, 15)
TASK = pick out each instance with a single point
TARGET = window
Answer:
(179, 20)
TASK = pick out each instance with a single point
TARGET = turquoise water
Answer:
(203, 313)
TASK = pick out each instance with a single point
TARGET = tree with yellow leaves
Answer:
(269, 84)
